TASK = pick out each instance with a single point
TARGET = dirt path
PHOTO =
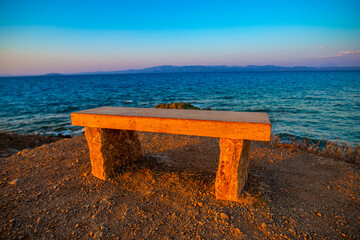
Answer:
(49, 193)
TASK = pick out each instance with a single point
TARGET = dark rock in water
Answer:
(179, 105)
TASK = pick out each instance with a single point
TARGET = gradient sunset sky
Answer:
(39, 36)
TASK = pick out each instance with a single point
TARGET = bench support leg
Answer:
(233, 168)
(110, 149)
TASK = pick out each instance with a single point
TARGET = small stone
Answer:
(319, 214)
(11, 220)
(98, 234)
(224, 216)
(16, 181)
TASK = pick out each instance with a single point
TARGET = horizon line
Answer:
(251, 68)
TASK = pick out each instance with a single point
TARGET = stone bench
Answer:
(113, 141)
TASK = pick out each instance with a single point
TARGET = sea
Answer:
(317, 105)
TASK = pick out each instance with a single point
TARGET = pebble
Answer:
(98, 234)
(16, 181)
(224, 216)
(103, 226)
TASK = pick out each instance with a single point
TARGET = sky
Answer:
(42, 36)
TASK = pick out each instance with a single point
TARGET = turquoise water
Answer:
(318, 105)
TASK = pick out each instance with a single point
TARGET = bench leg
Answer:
(110, 149)
(233, 168)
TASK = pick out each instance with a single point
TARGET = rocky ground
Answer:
(48, 192)
(11, 143)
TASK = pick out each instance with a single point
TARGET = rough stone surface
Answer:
(110, 149)
(233, 168)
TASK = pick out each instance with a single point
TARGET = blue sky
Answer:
(74, 36)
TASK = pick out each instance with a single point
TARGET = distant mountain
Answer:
(223, 68)
(53, 74)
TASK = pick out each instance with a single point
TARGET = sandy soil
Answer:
(49, 193)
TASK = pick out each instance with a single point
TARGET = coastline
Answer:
(298, 104)
(49, 192)
(12, 143)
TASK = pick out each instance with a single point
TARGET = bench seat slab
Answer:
(111, 149)
(233, 168)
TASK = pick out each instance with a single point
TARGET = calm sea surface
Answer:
(318, 105)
